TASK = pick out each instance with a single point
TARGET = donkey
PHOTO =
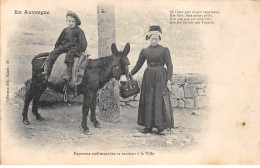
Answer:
(96, 74)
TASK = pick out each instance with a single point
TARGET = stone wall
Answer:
(188, 91)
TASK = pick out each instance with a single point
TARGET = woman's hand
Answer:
(169, 83)
(130, 76)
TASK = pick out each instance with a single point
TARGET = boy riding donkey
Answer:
(71, 41)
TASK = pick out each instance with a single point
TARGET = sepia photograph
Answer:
(147, 82)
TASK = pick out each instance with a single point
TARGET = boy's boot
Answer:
(47, 69)
(68, 77)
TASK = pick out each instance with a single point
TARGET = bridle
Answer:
(116, 65)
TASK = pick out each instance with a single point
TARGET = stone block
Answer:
(139, 80)
(194, 79)
(137, 97)
(201, 92)
(202, 86)
(171, 90)
(181, 103)
(108, 98)
(174, 102)
(122, 103)
(133, 104)
(189, 103)
(190, 91)
(206, 90)
(177, 92)
(178, 79)
(126, 99)
(201, 101)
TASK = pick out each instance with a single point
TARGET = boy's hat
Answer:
(155, 29)
(74, 15)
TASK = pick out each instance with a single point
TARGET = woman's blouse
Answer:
(155, 56)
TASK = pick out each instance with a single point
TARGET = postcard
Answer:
(148, 82)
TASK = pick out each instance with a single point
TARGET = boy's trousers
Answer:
(71, 51)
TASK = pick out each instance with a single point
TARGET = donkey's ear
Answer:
(126, 49)
(114, 49)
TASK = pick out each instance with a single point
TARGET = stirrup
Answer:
(67, 78)
(46, 75)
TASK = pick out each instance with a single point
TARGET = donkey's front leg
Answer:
(85, 110)
(93, 111)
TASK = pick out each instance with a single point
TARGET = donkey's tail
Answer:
(39, 60)
(23, 89)
(41, 56)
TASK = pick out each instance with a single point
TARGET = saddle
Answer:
(59, 70)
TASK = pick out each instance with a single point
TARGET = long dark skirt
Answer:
(150, 112)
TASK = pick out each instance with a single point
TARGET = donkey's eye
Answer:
(116, 66)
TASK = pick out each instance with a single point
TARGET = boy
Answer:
(71, 41)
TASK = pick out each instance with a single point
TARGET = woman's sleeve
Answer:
(168, 61)
(139, 63)
(83, 41)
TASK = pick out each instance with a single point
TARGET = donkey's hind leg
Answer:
(28, 98)
(93, 111)
(85, 110)
(41, 88)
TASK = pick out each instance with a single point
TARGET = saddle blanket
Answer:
(59, 70)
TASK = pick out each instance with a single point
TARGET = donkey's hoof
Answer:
(40, 118)
(97, 124)
(86, 131)
(26, 122)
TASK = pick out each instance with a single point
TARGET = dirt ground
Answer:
(61, 128)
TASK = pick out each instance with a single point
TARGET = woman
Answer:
(155, 79)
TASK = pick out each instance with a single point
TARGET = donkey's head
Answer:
(120, 62)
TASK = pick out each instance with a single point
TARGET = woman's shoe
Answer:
(146, 130)
(161, 132)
